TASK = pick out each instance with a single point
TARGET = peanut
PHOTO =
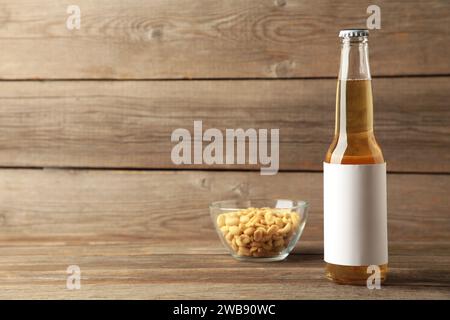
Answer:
(259, 234)
(242, 251)
(231, 221)
(234, 230)
(234, 245)
(268, 217)
(272, 230)
(285, 229)
(278, 243)
(221, 220)
(224, 230)
(245, 239)
(249, 231)
(244, 219)
(267, 245)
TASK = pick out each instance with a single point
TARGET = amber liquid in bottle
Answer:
(354, 140)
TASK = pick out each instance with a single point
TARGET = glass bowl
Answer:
(260, 229)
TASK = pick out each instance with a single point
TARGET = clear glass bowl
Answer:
(260, 229)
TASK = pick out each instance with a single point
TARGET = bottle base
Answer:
(349, 275)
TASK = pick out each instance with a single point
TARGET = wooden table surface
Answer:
(204, 270)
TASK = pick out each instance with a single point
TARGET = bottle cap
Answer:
(353, 33)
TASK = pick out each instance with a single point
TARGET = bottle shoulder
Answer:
(354, 149)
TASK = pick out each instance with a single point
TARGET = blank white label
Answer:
(355, 214)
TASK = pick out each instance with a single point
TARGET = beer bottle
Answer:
(355, 213)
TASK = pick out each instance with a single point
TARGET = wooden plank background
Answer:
(115, 124)
(101, 205)
(85, 123)
(176, 39)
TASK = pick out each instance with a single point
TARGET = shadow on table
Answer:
(422, 278)
(299, 257)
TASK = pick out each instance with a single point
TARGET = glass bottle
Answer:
(355, 159)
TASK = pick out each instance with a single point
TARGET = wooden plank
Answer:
(129, 124)
(114, 271)
(157, 39)
(83, 207)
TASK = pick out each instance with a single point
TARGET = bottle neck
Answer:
(354, 107)
(354, 59)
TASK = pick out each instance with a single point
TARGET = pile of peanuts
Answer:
(258, 232)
